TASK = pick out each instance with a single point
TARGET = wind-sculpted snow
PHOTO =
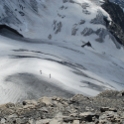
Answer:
(65, 50)
(30, 68)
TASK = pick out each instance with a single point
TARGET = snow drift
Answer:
(49, 59)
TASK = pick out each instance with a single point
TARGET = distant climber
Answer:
(87, 44)
(40, 71)
(49, 75)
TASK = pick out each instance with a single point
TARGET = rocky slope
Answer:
(106, 108)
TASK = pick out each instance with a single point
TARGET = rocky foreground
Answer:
(106, 108)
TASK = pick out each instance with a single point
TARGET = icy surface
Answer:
(51, 61)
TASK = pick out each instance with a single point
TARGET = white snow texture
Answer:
(54, 32)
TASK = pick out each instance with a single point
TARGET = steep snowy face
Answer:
(61, 20)
(54, 57)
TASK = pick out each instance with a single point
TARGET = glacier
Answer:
(49, 59)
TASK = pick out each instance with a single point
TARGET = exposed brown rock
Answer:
(77, 110)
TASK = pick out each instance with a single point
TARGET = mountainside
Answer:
(59, 47)
(56, 20)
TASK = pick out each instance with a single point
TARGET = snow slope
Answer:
(57, 20)
(55, 31)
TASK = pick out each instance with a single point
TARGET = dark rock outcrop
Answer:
(87, 44)
(119, 2)
(117, 25)
(5, 28)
